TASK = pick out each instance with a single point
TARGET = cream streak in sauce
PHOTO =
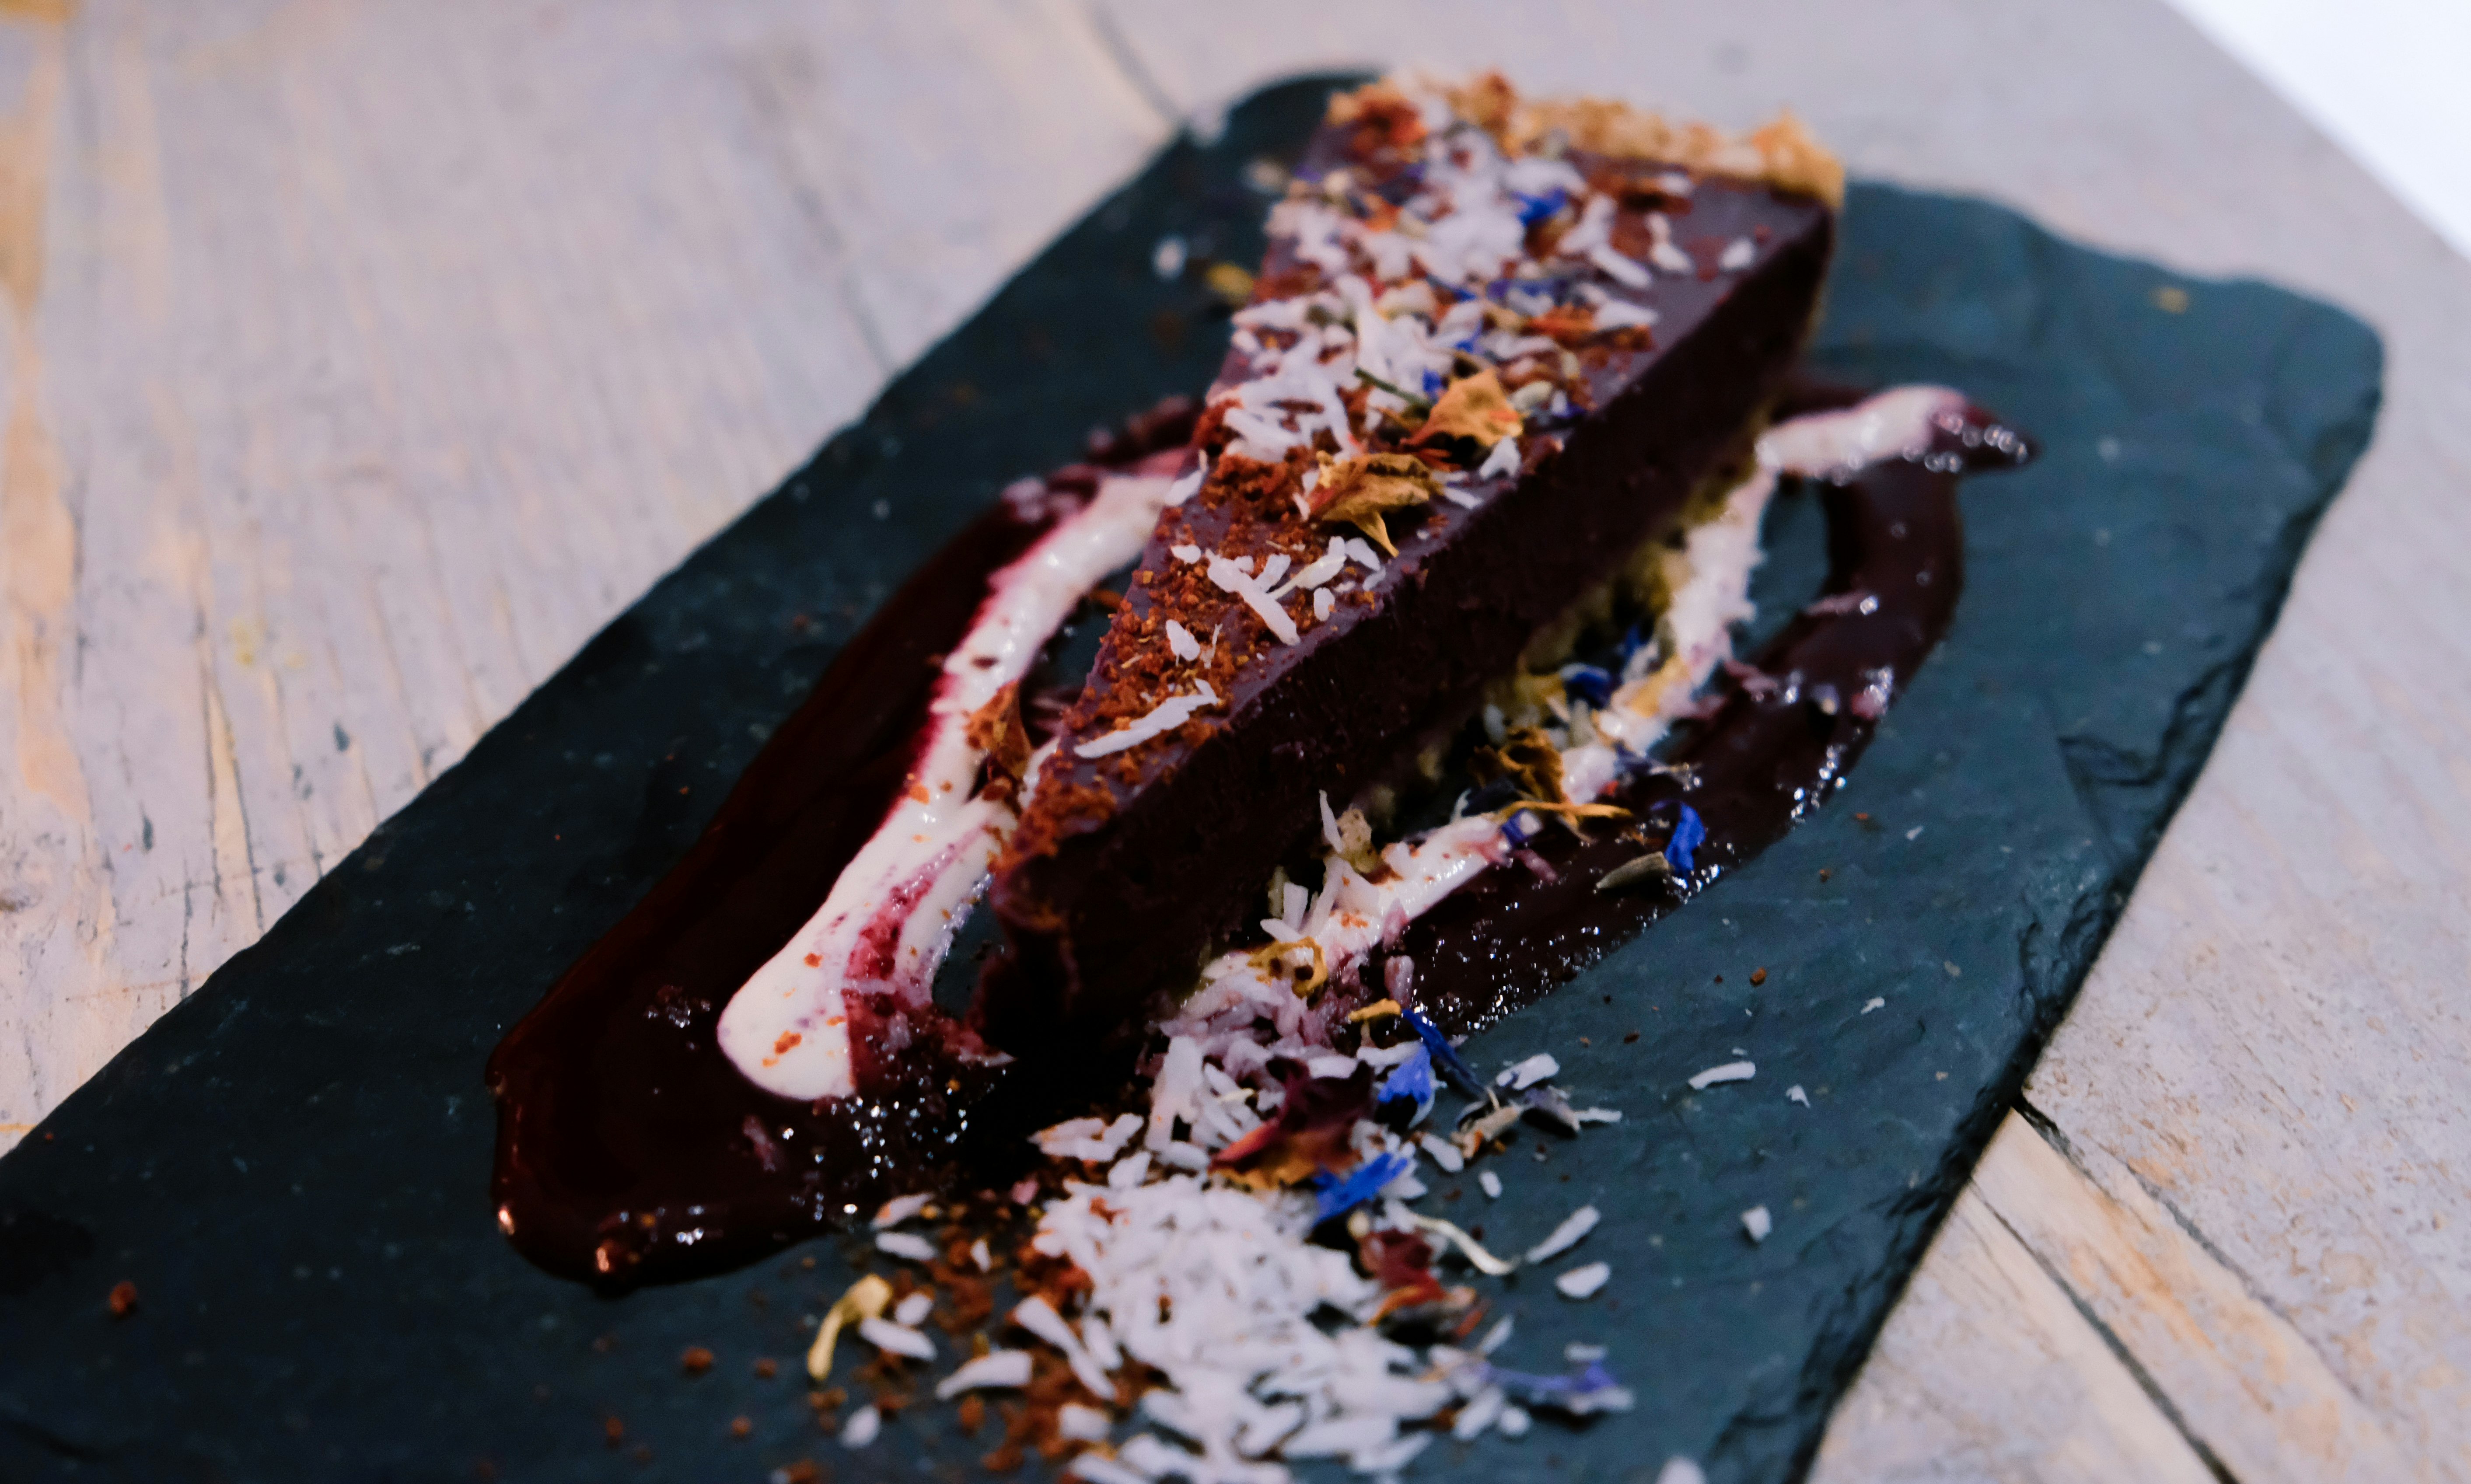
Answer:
(892, 916)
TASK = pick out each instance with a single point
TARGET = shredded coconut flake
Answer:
(1230, 579)
(1520, 1076)
(1729, 1071)
(1186, 487)
(1079, 1423)
(900, 1209)
(1581, 1282)
(908, 1246)
(1569, 1235)
(1098, 1469)
(1163, 718)
(1503, 460)
(1095, 1140)
(1623, 314)
(1623, 270)
(896, 1339)
(996, 1370)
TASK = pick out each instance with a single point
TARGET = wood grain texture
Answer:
(363, 357)
(1922, 1413)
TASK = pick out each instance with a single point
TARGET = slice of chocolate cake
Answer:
(1495, 348)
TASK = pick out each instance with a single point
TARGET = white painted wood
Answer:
(363, 357)
(2058, 1406)
(2382, 77)
(2243, 1382)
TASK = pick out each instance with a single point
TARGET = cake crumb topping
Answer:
(1440, 300)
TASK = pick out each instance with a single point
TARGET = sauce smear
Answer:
(630, 1151)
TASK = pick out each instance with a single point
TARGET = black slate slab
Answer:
(292, 1166)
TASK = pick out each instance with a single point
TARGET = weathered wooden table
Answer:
(364, 356)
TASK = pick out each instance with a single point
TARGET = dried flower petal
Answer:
(866, 1299)
(1309, 1133)
(1528, 759)
(995, 730)
(1358, 490)
(1474, 408)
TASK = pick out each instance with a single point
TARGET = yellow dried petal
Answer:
(1232, 285)
(1527, 758)
(1269, 955)
(1474, 406)
(1565, 812)
(1360, 488)
(866, 1299)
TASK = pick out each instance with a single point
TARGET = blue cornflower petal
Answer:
(1533, 209)
(1527, 1385)
(1412, 1078)
(1595, 1389)
(1593, 683)
(1499, 793)
(1636, 639)
(1688, 835)
(1445, 1055)
(1334, 1196)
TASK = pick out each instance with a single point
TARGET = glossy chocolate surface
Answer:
(1114, 896)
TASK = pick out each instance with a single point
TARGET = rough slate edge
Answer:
(418, 1360)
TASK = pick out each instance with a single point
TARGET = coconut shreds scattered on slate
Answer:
(1581, 1282)
(900, 1209)
(1729, 1071)
(905, 1244)
(1233, 1277)
(1567, 1235)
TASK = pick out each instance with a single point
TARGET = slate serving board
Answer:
(292, 1166)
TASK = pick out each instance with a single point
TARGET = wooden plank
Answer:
(2060, 1406)
(2244, 1381)
(364, 357)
